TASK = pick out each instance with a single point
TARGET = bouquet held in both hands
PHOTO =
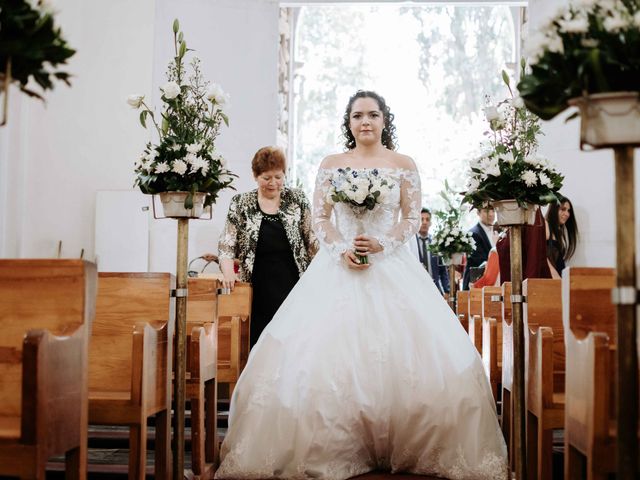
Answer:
(363, 190)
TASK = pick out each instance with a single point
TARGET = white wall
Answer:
(54, 159)
(82, 140)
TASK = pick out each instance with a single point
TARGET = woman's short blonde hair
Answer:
(268, 158)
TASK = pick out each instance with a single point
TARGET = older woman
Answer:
(269, 231)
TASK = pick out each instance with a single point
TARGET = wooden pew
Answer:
(130, 360)
(475, 318)
(46, 311)
(234, 317)
(507, 369)
(463, 308)
(589, 333)
(544, 371)
(202, 364)
(492, 337)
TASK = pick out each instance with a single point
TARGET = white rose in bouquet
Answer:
(170, 90)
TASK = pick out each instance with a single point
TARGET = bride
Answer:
(364, 366)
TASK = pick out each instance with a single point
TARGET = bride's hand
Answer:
(349, 257)
(365, 245)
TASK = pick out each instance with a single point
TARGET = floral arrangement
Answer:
(509, 167)
(31, 46)
(184, 158)
(361, 189)
(589, 46)
(449, 238)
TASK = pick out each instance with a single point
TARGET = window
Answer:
(434, 65)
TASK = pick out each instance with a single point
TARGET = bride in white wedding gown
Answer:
(364, 366)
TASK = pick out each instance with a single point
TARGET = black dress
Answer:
(274, 273)
(554, 253)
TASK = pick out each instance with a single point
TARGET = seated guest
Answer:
(491, 275)
(269, 231)
(562, 235)
(432, 263)
(482, 234)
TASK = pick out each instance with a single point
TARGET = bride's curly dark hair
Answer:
(389, 138)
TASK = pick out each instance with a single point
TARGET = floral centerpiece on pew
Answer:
(450, 241)
(588, 55)
(184, 158)
(32, 48)
(510, 174)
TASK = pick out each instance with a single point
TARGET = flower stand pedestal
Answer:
(174, 209)
(509, 214)
(612, 120)
(452, 263)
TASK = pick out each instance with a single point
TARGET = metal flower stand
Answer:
(182, 216)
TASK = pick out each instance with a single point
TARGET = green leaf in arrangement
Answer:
(182, 156)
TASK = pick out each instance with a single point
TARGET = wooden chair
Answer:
(202, 364)
(46, 311)
(130, 362)
(589, 333)
(463, 308)
(492, 337)
(507, 369)
(475, 318)
(544, 371)
(234, 317)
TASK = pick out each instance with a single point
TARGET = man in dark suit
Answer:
(482, 234)
(432, 263)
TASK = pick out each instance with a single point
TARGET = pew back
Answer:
(56, 295)
(125, 299)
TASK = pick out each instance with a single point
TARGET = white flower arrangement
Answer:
(510, 167)
(587, 47)
(449, 238)
(185, 157)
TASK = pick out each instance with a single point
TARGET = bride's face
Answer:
(366, 121)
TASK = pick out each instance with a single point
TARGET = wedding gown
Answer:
(364, 370)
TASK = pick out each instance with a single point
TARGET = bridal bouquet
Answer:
(588, 47)
(449, 239)
(509, 167)
(184, 157)
(361, 189)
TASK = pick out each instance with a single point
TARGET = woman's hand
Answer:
(364, 245)
(350, 259)
(228, 274)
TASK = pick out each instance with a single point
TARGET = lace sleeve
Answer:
(327, 234)
(410, 205)
(229, 237)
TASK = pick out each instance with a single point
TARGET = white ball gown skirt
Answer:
(361, 371)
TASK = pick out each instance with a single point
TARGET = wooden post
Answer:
(625, 298)
(519, 412)
(180, 348)
(453, 287)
